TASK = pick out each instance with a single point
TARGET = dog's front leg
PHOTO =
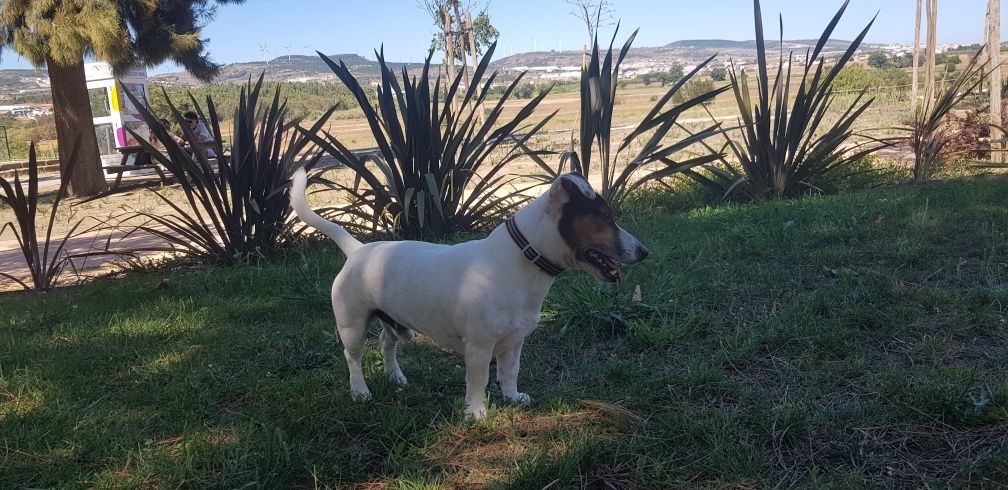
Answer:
(477, 361)
(508, 363)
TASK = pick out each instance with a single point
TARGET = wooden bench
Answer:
(119, 170)
(125, 165)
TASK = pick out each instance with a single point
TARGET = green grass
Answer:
(848, 341)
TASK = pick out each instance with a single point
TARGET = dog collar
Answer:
(529, 251)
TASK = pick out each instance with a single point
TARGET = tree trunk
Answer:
(72, 112)
(916, 54)
(449, 61)
(480, 114)
(472, 40)
(994, 56)
(449, 47)
(929, 68)
(461, 28)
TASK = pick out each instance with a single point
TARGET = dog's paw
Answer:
(520, 399)
(360, 394)
(398, 377)
(476, 413)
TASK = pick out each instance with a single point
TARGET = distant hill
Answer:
(831, 45)
(15, 84)
(711, 44)
(283, 68)
(687, 52)
(312, 68)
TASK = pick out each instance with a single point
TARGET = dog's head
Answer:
(585, 222)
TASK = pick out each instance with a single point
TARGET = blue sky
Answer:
(343, 26)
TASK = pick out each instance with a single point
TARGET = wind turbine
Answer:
(288, 51)
(265, 52)
(307, 47)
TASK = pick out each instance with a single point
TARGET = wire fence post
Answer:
(6, 141)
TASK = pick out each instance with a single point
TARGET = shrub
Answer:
(969, 134)
(301, 98)
(785, 151)
(434, 172)
(858, 78)
(48, 259)
(693, 89)
(947, 59)
(879, 60)
(238, 206)
(932, 135)
(599, 81)
(673, 75)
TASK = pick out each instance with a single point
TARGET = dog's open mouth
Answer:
(608, 267)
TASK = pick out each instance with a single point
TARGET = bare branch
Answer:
(593, 13)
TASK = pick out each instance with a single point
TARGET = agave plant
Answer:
(238, 205)
(656, 157)
(46, 259)
(929, 131)
(787, 148)
(436, 170)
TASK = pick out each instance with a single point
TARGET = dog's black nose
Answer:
(642, 252)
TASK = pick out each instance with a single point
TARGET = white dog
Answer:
(479, 298)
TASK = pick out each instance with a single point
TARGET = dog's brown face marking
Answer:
(586, 224)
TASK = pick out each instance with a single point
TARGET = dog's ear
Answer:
(571, 185)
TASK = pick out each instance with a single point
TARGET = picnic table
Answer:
(125, 165)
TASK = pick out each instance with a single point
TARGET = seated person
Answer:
(204, 141)
(144, 158)
(153, 139)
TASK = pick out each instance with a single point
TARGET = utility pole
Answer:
(932, 42)
(6, 141)
(916, 54)
(994, 58)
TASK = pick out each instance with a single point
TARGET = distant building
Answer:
(24, 111)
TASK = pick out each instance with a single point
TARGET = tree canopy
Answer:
(124, 33)
(484, 33)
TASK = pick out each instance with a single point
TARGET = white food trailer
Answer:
(112, 111)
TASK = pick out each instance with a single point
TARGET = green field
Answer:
(856, 340)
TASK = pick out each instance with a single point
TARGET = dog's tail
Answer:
(344, 240)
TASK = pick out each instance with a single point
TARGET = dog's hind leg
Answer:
(389, 340)
(508, 362)
(352, 329)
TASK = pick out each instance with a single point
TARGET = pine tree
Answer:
(124, 33)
